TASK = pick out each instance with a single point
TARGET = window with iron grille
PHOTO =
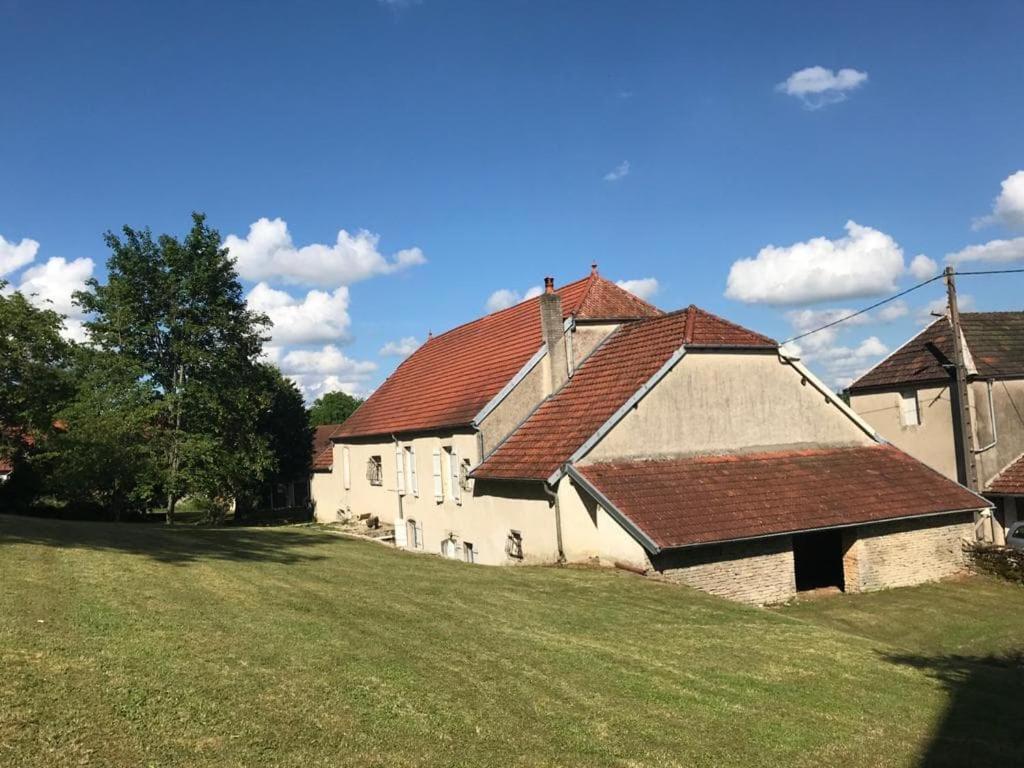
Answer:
(374, 471)
(514, 545)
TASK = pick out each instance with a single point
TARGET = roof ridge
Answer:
(755, 456)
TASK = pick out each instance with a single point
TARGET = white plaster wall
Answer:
(723, 402)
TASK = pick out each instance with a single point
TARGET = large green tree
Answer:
(107, 457)
(333, 408)
(175, 309)
(34, 379)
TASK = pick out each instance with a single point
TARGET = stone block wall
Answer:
(757, 572)
(906, 552)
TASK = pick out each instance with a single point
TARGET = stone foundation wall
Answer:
(907, 552)
(757, 572)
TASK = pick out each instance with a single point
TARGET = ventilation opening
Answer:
(818, 560)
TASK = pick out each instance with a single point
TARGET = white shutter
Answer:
(438, 486)
(909, 414)
(413, 483)
(419, 535)
(456, 485)
(399, 472)
(446, 470)
(346, 468)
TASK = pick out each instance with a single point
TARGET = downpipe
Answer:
(553, 495)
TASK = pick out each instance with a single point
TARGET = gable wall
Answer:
(1008, 403)
(931, 441)
(726, 402)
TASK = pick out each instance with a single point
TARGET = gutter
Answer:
(553, 495)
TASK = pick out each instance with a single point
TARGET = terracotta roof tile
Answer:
(606, 380)
(1010, 479)
(449, 379)
(323, 447)
(995, 341)
(703, 500)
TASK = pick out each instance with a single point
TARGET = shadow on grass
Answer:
(177, 545)
(982, 722)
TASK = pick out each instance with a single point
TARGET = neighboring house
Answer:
(5, 469)
(587, 425)
(909, 398)
(325, 488)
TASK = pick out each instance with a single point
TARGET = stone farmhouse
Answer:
(586, 425)
(909, 398)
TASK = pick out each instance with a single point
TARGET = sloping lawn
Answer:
(134, 645)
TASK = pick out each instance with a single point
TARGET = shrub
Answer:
(998, 561)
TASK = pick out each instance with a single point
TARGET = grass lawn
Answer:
(131, 645)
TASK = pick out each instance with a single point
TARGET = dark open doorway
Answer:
(818, 560)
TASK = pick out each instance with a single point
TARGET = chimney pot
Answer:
(549, 285)
(593, 268)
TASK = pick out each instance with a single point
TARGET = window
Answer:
(438, 483)
(910, 411)
(464, 475)
(410, 470)
(414, 534)
(514, 545)
(468, 552)
(374, 471)
(452, 471)
(450, 547)
(346, 468)
(399, 470)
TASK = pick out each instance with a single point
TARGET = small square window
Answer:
(375, 471)
(514, 545)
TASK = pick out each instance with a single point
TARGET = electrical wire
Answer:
(895, 296)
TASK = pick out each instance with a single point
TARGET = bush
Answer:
(998, 561)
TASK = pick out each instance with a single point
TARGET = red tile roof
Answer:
(323, 447)
(605, 381)
(5, 466)
(1010, 479)
(703, 500)
(448, 380)
(995, 341)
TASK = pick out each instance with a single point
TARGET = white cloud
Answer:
(326, 369)
(14, 256)
(620, 171)
(644, 287)
(503, 298)
(921, 267)
(268, 253)
(817, 86)
(50, 285)
(1008, 208)
(927, 313)
(993, 250)
(843, 364)
(401, 348)
(893, 311)
(866, 262)
(319, 316)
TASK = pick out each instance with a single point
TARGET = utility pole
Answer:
(963, 414)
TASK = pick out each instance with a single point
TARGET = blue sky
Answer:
(485, 145)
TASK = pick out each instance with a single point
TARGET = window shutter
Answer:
(413, 483)
(346, 468)
(456, 486)
(399, 472)
(438, 486)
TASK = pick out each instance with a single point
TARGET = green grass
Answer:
(136, 645)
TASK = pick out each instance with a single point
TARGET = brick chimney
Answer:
(553, 335)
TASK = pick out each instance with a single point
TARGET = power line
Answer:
(895, 296)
